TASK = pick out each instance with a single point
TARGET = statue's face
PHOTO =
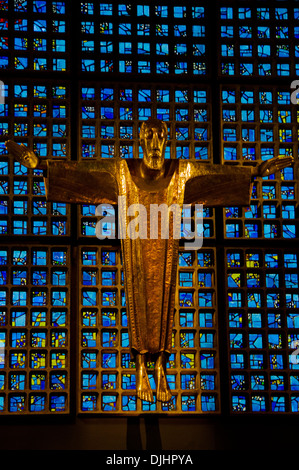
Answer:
(153, 139)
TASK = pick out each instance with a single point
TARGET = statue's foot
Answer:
(163, 390)
(143, 388)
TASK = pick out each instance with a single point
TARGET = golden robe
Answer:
(150, 265)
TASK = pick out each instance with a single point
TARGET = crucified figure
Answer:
(150, 265)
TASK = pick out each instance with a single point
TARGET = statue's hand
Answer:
(273, 165)
(22, 154)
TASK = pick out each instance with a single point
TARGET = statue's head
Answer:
(153, 139)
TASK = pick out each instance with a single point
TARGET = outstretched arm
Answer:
(217, 185)
(88, 182)
(226, 185)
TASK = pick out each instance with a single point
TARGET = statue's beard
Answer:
(155, 164)
(154, 161)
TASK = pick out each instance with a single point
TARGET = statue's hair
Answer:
(152, 122)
